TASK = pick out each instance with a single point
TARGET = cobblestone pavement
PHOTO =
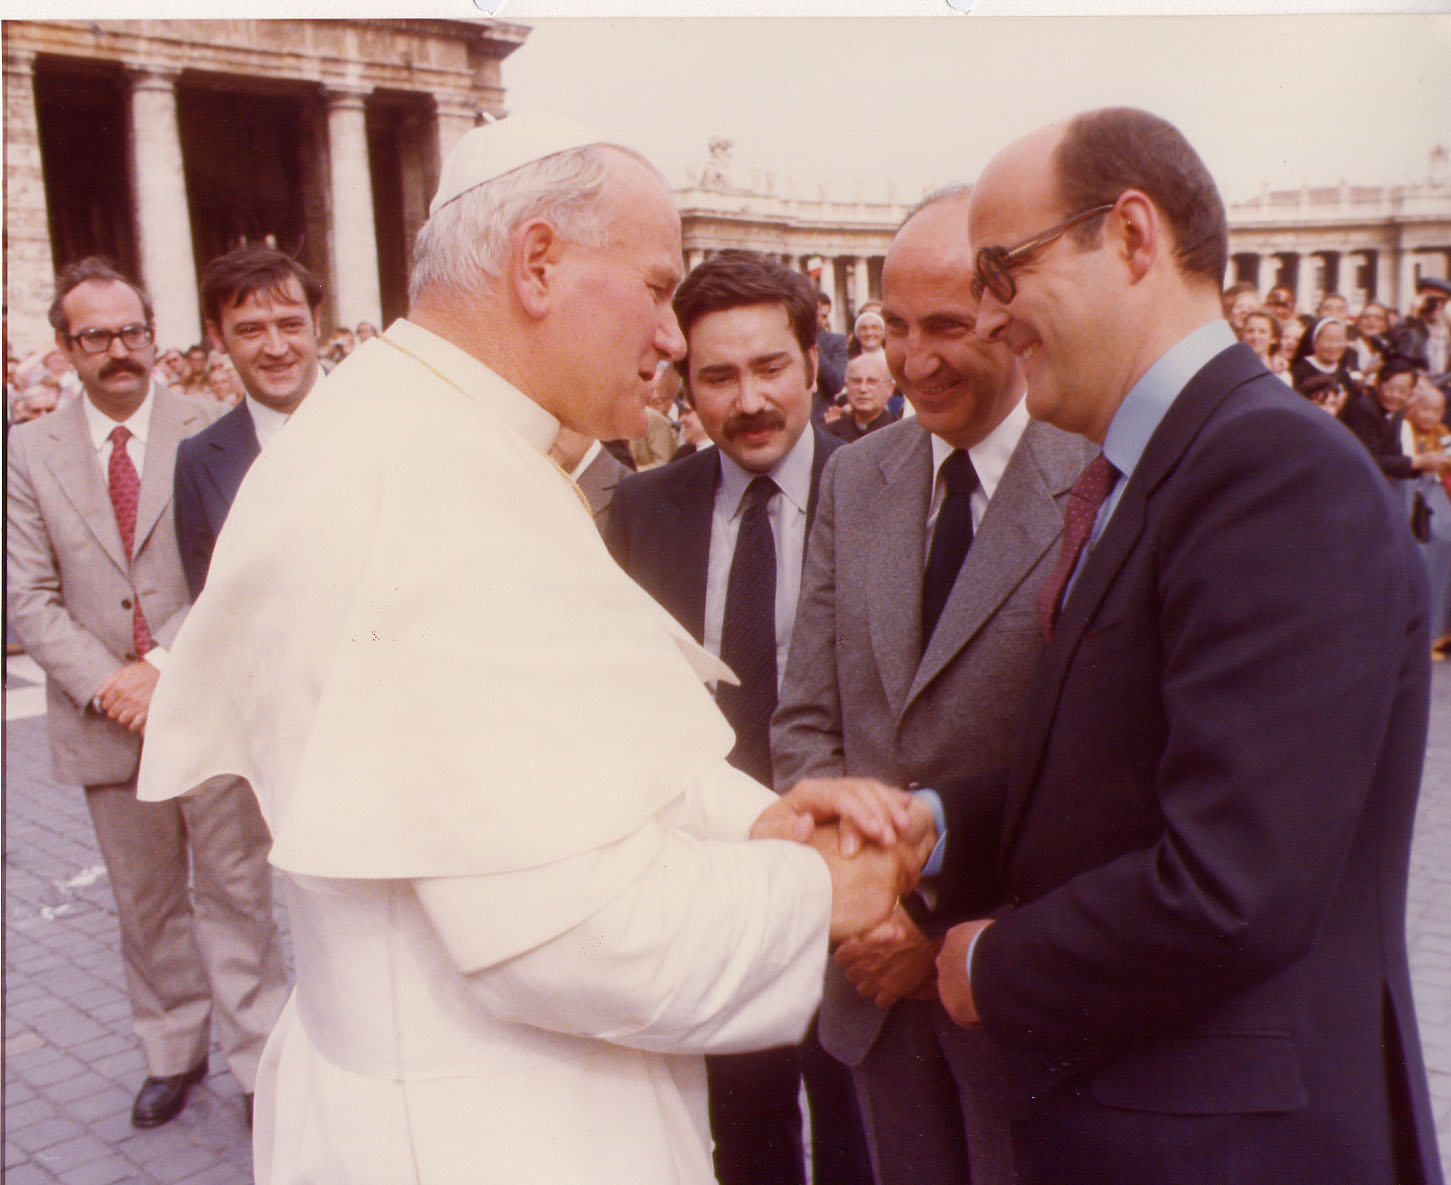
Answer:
(72, 1066)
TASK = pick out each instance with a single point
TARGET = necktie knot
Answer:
(1094, 482)
(758, 494)
(120, 434)
(958, 475)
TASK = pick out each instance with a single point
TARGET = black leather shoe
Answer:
(247, 1109)
(161, 1099)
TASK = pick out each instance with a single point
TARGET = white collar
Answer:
(474, 380)
(101, 425)
(991, 454)
(792, 474)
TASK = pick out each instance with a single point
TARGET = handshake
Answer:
(874, 839)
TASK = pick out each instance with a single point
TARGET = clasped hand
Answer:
(126, 696)
(873, 838)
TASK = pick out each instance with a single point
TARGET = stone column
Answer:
(456, 114)
(861, 281)
(353, 234)
(1257, 273)
(694, 258)
(828, 286)
(29, 263)
(163, 217)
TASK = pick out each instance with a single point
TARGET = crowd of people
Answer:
(694, 706)
(1386, 376)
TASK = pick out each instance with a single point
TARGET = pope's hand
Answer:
(954, 988)
(865, 884)
(865, 807)
(892, 961)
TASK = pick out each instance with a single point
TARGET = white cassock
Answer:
(496, 785)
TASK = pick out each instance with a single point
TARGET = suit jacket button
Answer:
(126, 604)
(130, 657)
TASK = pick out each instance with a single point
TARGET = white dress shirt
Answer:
(989, 457)
(139, 425)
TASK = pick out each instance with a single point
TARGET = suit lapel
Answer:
(230, 452)
(77, 467)
(1021, 523)
(895, 522)
(824, 446)
(1186, 416)
(685, 523)
(171, 420)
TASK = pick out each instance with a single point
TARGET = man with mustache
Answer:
(718, 538)
(96, 594)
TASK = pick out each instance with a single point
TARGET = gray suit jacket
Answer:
(69, 587)
(859, 696)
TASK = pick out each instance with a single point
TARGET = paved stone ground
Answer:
(72, 1066)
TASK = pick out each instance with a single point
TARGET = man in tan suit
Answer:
(95, 595)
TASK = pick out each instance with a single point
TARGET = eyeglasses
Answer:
(98, 341)
(993, 272)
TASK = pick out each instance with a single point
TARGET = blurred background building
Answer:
(164, 143)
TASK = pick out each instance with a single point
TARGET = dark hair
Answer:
(231, 278)
(822, 298)
(735, 278)
(1108, 151)
(1264, 314)
(84, 271)
(1394, 365)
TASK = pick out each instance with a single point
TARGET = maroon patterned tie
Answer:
(125, 489)
(1084, 499)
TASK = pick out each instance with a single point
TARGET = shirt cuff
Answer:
(939, 820)
(156, 656)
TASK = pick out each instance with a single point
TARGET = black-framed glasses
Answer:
(993, 270)
(98, 341)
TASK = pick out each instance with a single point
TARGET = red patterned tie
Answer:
(125, 489)
(1084, 499)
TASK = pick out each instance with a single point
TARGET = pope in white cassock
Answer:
(509, 843)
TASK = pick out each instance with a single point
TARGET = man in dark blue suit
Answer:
(718, 538)
(261, 308)
(830, 360)
(1201, 971)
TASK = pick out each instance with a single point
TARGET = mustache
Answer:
(122, 366)
(756, 422)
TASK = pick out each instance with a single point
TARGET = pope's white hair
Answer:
(467, 241)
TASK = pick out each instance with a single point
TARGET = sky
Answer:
(896, 106)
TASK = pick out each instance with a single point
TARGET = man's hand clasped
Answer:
(874, 839)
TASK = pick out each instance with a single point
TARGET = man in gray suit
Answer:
(914, 642)
(95, 595)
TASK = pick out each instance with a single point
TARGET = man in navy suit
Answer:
(261, 308)
(718, 538)
(1200, 973)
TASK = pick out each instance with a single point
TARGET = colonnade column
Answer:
(352, 229)
(455, 116)
(861, 281)
(30, 265)
(163, 216)
(828, 286)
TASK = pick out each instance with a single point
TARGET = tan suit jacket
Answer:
(69, 586)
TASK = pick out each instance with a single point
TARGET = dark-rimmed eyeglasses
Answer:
(994, 265)
(98, 341)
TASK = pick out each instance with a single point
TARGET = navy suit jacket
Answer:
(209, 469)
(659, 528)
(1201, 974)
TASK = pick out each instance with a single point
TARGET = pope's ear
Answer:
(535, 249)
